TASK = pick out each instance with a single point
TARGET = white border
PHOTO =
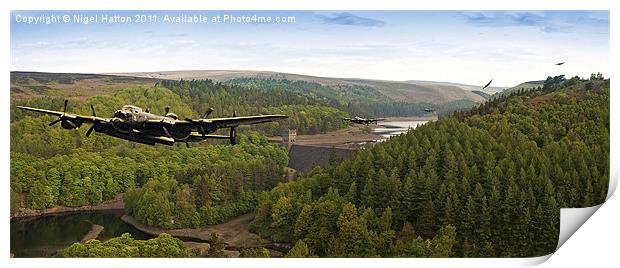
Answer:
(583, 249)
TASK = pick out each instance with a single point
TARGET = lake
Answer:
(392, 128)
(45, 236)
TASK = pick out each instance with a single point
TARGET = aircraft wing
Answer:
(242, 120)
(81, 118)
(56, 113)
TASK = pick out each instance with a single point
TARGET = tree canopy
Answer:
(485, 182)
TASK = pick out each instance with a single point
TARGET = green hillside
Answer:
(400, 91)
(486, 182)
(525, 86)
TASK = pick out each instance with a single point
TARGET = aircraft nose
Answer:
(120, 114)
(117, 122)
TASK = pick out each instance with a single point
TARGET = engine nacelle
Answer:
(67, 124)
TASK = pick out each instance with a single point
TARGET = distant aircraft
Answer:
(487, 85)
(133, 124)
(364, 121)
(560, 63)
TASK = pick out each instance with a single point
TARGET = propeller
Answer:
(202, 131)
(166, 132)
(55, 121)
(71, 124)
(233, 132)
(233, 135)
(66, 120)
(209, 111)
(64, 110)
(90, 130)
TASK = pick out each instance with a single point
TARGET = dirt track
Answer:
(234, 232)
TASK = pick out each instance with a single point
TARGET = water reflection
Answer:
(45, 236)
(392, 128)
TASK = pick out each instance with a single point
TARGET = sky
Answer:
(468, 47)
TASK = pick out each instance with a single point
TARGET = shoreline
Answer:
(429, 118)
(353, 134)
(94, 232)
(115, 204)
(234, 233)
(189, 234)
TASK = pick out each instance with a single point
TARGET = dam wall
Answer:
(304, 158)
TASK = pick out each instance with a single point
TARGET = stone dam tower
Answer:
(289, 138)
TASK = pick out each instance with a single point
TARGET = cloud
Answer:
(515, 19)
(346, 18)
(592, 18)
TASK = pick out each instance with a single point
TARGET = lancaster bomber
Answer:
(133, 124)
(364, 121)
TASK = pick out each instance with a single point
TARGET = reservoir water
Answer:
(45, 236)
(393, 128)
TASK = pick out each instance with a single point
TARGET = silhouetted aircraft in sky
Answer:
(487, 85)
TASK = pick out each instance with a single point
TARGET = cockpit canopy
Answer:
(172, 115)
(126, 111)
(131, 108)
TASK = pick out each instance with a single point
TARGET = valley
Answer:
(413, 194)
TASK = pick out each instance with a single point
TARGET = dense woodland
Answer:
(486, 182)
(356, 100)
(125, 247)
(307, 114)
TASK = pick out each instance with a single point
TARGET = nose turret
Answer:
(120, 114)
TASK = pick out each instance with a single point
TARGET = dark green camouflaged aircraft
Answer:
(133, 124)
